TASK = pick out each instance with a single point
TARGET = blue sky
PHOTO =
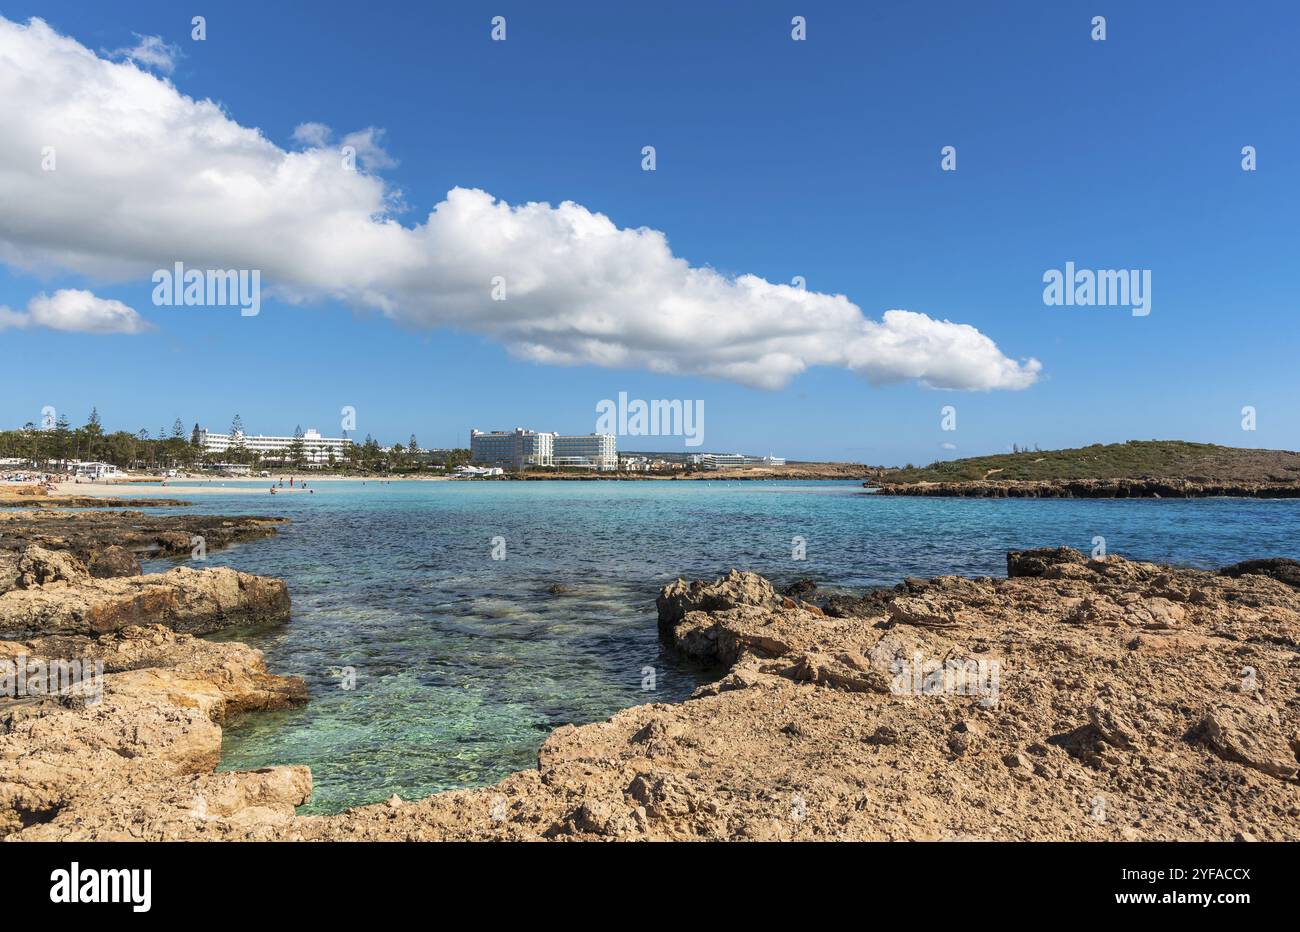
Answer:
(776, 158)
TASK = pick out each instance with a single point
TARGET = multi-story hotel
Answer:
(316, 449)
(510, 449)
(585, 451)
(521, 449)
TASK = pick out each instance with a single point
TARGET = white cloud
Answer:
(311, 134)
(147, 177)
(12, 318)
(151, 52)
(77, 312)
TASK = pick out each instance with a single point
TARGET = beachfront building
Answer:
(316, 449)
(523, 449)
(585, 451)
(510, 449)
(732, 460)
(97, 471)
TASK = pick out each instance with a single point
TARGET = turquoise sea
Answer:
(464, 663)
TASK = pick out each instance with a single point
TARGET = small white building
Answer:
(98, 471)
(471, 471)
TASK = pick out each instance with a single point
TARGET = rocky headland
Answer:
(1136, 469)
(1073, 699)
(1089, 488)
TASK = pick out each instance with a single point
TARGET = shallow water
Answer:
(464, 663)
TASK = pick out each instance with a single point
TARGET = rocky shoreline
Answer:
(108, 695)
(1074, 699)
(1090, 488)
(111, 543)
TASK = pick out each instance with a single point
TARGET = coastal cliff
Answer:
(1074, 699)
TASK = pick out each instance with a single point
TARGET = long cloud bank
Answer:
(145, 176)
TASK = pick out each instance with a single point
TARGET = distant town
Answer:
(89, 452)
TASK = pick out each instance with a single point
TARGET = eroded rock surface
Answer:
(108, 699)
(1077, 699)
(54, 593)
(155, 713)
(111, 543)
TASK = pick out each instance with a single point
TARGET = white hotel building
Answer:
(316, 449)
(732, 460)
(520, 449)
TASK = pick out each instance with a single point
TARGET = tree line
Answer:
(174, 448)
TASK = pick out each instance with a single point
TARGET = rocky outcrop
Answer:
(1280, 568)
(251, 804)
(111, 543)
(113, 561)
(147, 706)
(679, 598)
(56, 595)
(1078, 699)
(1039, 562)
(110, 709)
(40, 567)
(1089, 488)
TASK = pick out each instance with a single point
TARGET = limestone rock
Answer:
(40, 567)
(732, 591)
(1035, 563)
(1248, 734)
(113, 561)
(195, 601)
